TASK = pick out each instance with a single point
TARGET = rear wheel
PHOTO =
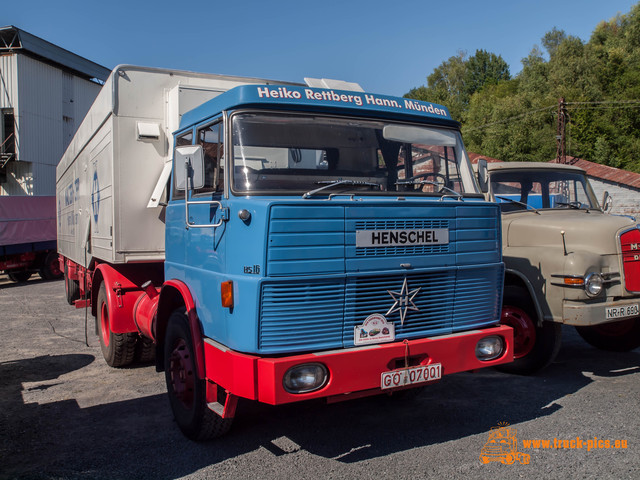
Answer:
(118, 349)
(535, 347)
(145, 350)
(50, 269)
(19, 277)
(187, 392)
(71, 287)
(620, 336)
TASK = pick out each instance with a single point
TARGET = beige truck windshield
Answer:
(516, 190)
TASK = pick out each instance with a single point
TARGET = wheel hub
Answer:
(181, 369)
(524, 330)
(54, 268)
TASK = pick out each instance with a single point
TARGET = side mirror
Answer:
(607, 202)
(483, 175)
(189, 163)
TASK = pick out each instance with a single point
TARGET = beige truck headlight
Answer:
(592, 283)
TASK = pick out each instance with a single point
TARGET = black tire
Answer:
(145, 350)
(187, 392)
(71, 287)
(19, 277)
(622, 336)
(50, 269)
(535, 347)
(118, 349)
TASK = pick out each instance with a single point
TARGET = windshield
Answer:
(538, 189)
(322, 155)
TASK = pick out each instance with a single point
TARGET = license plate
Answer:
(623, 311)
(410, 376)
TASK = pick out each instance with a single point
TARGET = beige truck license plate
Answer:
(623, 311)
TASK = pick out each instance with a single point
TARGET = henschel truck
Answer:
(287, 242)
(567, 261)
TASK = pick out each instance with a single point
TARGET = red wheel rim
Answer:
(54, 268)
(524, 329)
(104, 324)
(616, 329)
(181, 369)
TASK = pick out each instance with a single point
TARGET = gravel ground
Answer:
(65, 414)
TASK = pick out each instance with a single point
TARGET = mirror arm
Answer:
(186, 191)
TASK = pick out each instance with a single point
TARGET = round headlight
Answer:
(593, 284)
(305, 378)
(489, 348)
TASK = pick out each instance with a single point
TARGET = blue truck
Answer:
(287, 242)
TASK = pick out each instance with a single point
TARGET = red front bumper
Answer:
(350, 370)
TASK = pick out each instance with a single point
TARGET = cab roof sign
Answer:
(307, 97)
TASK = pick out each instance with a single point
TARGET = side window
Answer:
(184, 139)
(212, 145)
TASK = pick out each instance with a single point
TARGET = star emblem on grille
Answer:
(403, 301)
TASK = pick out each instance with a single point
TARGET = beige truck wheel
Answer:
(620, 336)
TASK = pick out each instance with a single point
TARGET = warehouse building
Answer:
(45, 92)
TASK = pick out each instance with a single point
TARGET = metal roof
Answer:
(607, 173)
(531, 166)
(13, 39)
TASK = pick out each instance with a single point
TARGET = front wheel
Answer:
(187, 392)
(621, 336)
(535, 347)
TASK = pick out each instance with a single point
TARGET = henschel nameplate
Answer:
(401, 238)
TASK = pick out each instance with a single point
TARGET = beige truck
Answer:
(567, 261)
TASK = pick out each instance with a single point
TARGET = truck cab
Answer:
(329, 239)
(567, 261)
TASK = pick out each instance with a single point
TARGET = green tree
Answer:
(484, 68)
(455, 80)
(515, 118)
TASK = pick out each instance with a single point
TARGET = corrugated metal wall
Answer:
(626, 200)
(39, 120)
(48, 105)
(8, 81)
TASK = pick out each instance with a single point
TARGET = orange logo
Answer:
(502, 446)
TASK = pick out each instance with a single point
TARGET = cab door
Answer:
(198, 240)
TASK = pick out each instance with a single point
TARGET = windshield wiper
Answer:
(411, 181)
(577, 205)
(334, 183)
(527, 207)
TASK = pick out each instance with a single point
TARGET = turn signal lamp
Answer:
(226, 294)
(593, 283)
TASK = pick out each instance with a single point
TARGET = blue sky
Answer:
(387, 46)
